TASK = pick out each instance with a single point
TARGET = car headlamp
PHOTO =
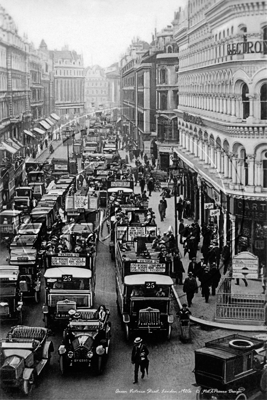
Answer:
(70, 354)
(62, 349)
(100, 350)
(90, 354)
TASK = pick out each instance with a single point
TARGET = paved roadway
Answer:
(171, 362)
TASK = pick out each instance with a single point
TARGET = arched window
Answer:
(245, 101)
(264, 31)
(264, 165)
(163, 76)
(263, 100)
(170, 49)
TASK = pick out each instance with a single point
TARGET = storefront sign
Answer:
(246, 265)
(247, 47)
(194, 120)
(250, 209)
(208, 206)
(214, 213)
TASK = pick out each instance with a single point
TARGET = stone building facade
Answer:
(69, 82)
(96, 88)
(222, 117)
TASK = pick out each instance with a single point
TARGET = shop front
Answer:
(214, 214)
(250, 225)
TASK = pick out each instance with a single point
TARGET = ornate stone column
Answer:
(258, 176)
(226, 165)
(234, 169)
(232, 220)
(251, 173)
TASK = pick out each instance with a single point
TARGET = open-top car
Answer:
(24, 354)
(86, 341)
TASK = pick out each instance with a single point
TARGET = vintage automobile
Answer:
(29, 262)
(67, 287)
(24, 354)
(85, 342)
(231, 367)
(10, 221)
(10, 294)
(23, 204)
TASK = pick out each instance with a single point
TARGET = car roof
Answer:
(74, 271)
(140, 279)
(225, 355)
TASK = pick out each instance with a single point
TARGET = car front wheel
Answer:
(27, 385)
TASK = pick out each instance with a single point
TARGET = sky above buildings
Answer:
(99, 29)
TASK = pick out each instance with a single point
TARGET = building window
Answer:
(264, 165)
(245, 101)
(263, 100)
(265, 40)
(163, 76)
(163, 101)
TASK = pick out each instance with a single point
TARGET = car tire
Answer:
(127, 332)
(20, 318)
(62, 364)
(37, 297)
(99, 365)
(46, 320)
(169, 332)
(27, 385)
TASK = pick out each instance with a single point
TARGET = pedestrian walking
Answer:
(165, 205)
(180, 208)
(181, 230)
(205, 284)
(215, 277)
(192, 266)
(161, 209)
(226, 257)
(190, 288)
(136, 176)
(145, 158)
(142, 183)
(139, 358)
(178, 268)
(150, 186)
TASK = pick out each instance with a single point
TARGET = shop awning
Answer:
(29, 133)
(55, 116)
(40, 131)
(45, 124)
(50, 122)
(9, 148)
(18, 143)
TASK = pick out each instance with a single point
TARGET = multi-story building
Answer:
(14, 104)
(36, 88)
(129, 64)
(69, 82)
(113, 79)
(222, 117)
(96, 88)
(167, 95)
(47, 79)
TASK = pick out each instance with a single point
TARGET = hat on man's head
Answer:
(190, 273)
(138, 340)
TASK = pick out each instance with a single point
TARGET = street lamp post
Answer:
(175, 211)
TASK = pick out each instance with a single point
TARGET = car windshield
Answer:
(65, 284)
(7, 289)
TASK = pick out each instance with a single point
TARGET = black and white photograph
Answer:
(133, 200)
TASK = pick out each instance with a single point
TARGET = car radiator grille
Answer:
(149, 317)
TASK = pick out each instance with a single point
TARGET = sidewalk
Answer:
(202, 313)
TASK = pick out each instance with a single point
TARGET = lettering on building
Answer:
(247, 47)
(191, 118)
